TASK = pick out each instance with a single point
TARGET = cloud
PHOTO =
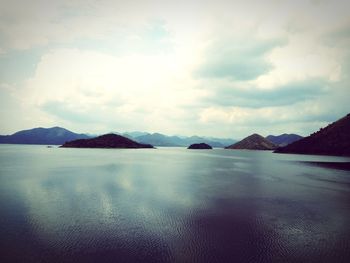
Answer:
(301, 118)
(237, 58)
(39, 23)
(66, 112)
(252, 97)
(18, 66)
(218, 68)
(90, 88)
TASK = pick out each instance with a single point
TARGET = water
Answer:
(171, 205)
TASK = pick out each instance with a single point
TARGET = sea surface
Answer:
(171, 205)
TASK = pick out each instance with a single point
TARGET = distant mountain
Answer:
(106, 141)
(284, 139)
(223, 141)
(253, 142)
(331, 140)
(213, 142)
(133, 134)
(158, 139)
(58, 136)
(55, 135)
(199, 146)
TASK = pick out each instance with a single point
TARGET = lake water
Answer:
(171, 205)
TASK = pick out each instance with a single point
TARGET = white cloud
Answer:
(116, 65)
(303, 58)
(104, 88)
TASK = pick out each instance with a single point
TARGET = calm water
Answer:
(170, 205)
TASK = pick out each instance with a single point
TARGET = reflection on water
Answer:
(170, 205)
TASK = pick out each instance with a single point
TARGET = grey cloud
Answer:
(237, 59)
(285, 95)
(343, 33)
(94, 116)
(62, 111)
(339, 37)
(18, 66)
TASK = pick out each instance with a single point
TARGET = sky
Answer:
(209, 68)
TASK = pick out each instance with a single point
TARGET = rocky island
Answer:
(200, 146)
(331, 140)
(106, 141)
(253, 142)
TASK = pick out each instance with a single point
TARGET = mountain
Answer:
(54, 135)
(253, 142)
(284, 139)
(331, 140)
(58, 136)
(223, 141)
(199, 146)
(106, 141)
(132, 134)
(159, 139)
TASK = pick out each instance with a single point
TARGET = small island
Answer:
(199, 146)
(106, 141)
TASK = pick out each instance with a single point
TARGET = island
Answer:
(106, 141)
(253, 142)
(200, 146)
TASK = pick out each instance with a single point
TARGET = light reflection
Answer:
(100, 196)
(180, 200)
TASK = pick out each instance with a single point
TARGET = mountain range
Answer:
(158, 139)
(253, 142)
(283, 139)
(58, 136)
(331, 140)
(54, 135)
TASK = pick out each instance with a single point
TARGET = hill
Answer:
(106, 141)
(253, 142)
(331, 140)
(54, 135)
(199, 146)
(284, 139)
